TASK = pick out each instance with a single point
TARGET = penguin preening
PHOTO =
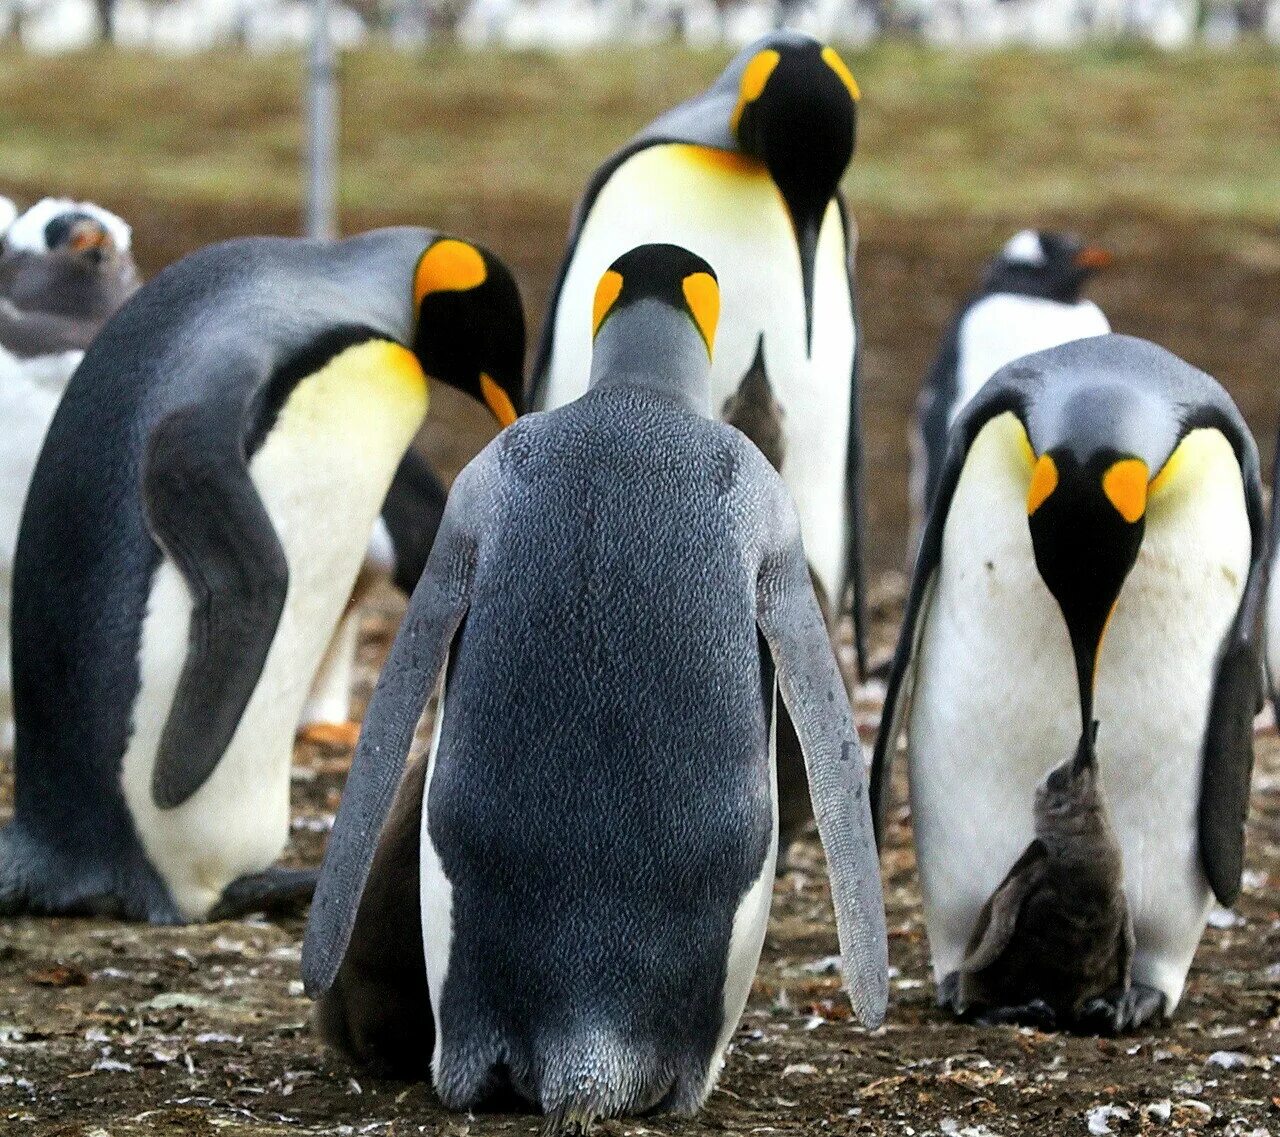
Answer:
(195, 524)
(1029, 299)
(747, 176)
(65, 268)
(1053, 944)
(1103, 486)
(617, 590)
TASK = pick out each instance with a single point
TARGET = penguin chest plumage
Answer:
(322, 472)
(995, 706)
(1004, 326)
(727, 210)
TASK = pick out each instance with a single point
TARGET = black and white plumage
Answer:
(1030, 298)
(616, 589)
(1103, 486)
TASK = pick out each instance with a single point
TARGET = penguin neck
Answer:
(649, 346)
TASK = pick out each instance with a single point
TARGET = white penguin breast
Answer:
(322, 474)
(729, 212)
(1003, 327)
(995, 705)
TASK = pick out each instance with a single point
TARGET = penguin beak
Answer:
(1087, 518)
(1093, 258)
(806, 222)
(498, 401)
(89, 238)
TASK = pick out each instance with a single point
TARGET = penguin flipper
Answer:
(996, 398)
(999, 916)
(205, 512)
(436, 612)
(813, 691)
(1239, 688)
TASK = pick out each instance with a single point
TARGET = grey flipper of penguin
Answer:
(591, 986)
(1054, 943)
(1153, 403)
(189, 396)
(796, 115)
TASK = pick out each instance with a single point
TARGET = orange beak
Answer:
(88, 235)
(1094, 257)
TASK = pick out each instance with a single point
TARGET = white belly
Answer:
(1001, 328)
(30, 391)
(730, 213)
(322, 474)
(995, 704)
(435, 894)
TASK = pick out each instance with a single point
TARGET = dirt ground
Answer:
(110, 1030)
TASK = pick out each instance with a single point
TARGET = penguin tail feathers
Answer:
(593, 1075)
(576, 1120)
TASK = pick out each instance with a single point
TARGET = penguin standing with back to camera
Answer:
(1030, 299)
(65, 268)
(1101, 488)
(747, 175)
(195, 524)
(571, 898)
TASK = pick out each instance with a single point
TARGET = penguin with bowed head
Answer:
(616, 593)
(747, 175)
(1103, 487)
(65, 268)
(196, 520)
(1030, 299)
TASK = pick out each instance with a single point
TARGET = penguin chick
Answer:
(754, 410)
(1054, 943)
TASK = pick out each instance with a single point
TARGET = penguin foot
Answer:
(1036, 1013)
(274, 892)
(949, 993)
(1115, 1014)
(336, 735)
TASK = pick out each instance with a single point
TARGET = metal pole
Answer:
(322, 129)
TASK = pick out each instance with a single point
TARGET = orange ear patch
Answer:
(702, 295)
(1125, 485)
(1044, 480)
(832, 59)
(607, 293)
(753, 82)
(448, 266)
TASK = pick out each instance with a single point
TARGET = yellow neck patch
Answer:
(832, 59)
(753, 82)
(448, 266)
(1125, 485)
(607, 293)
(1044, 480)
(702, 294)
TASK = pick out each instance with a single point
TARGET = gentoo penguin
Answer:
(197, 518)
(747, 175)
(1029, 299)
(1053, 944)
(65, 268)
(617, 591)
(1101, 486)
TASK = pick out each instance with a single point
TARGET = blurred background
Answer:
(1149, 126)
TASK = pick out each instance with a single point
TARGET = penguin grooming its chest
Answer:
(65, 268)
(617, 590)
(747, 176)
(1030, 299)
(1054, 943)
(196, 521)
(1094, 551)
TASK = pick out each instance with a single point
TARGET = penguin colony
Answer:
(625, 604)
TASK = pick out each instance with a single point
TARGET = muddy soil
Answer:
(111, 1030)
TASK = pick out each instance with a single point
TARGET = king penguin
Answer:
(1100, 487)
(1029, 300)
(65, 268)
(617, 591)
(747, 175)
(196, 521)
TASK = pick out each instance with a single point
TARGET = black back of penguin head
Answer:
(470, 329)
(1045, 264)
(669, 274)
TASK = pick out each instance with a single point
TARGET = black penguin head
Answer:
(797, 113)
(1086, 507)
(1052, 266)
(669, 274)
(470, 328)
